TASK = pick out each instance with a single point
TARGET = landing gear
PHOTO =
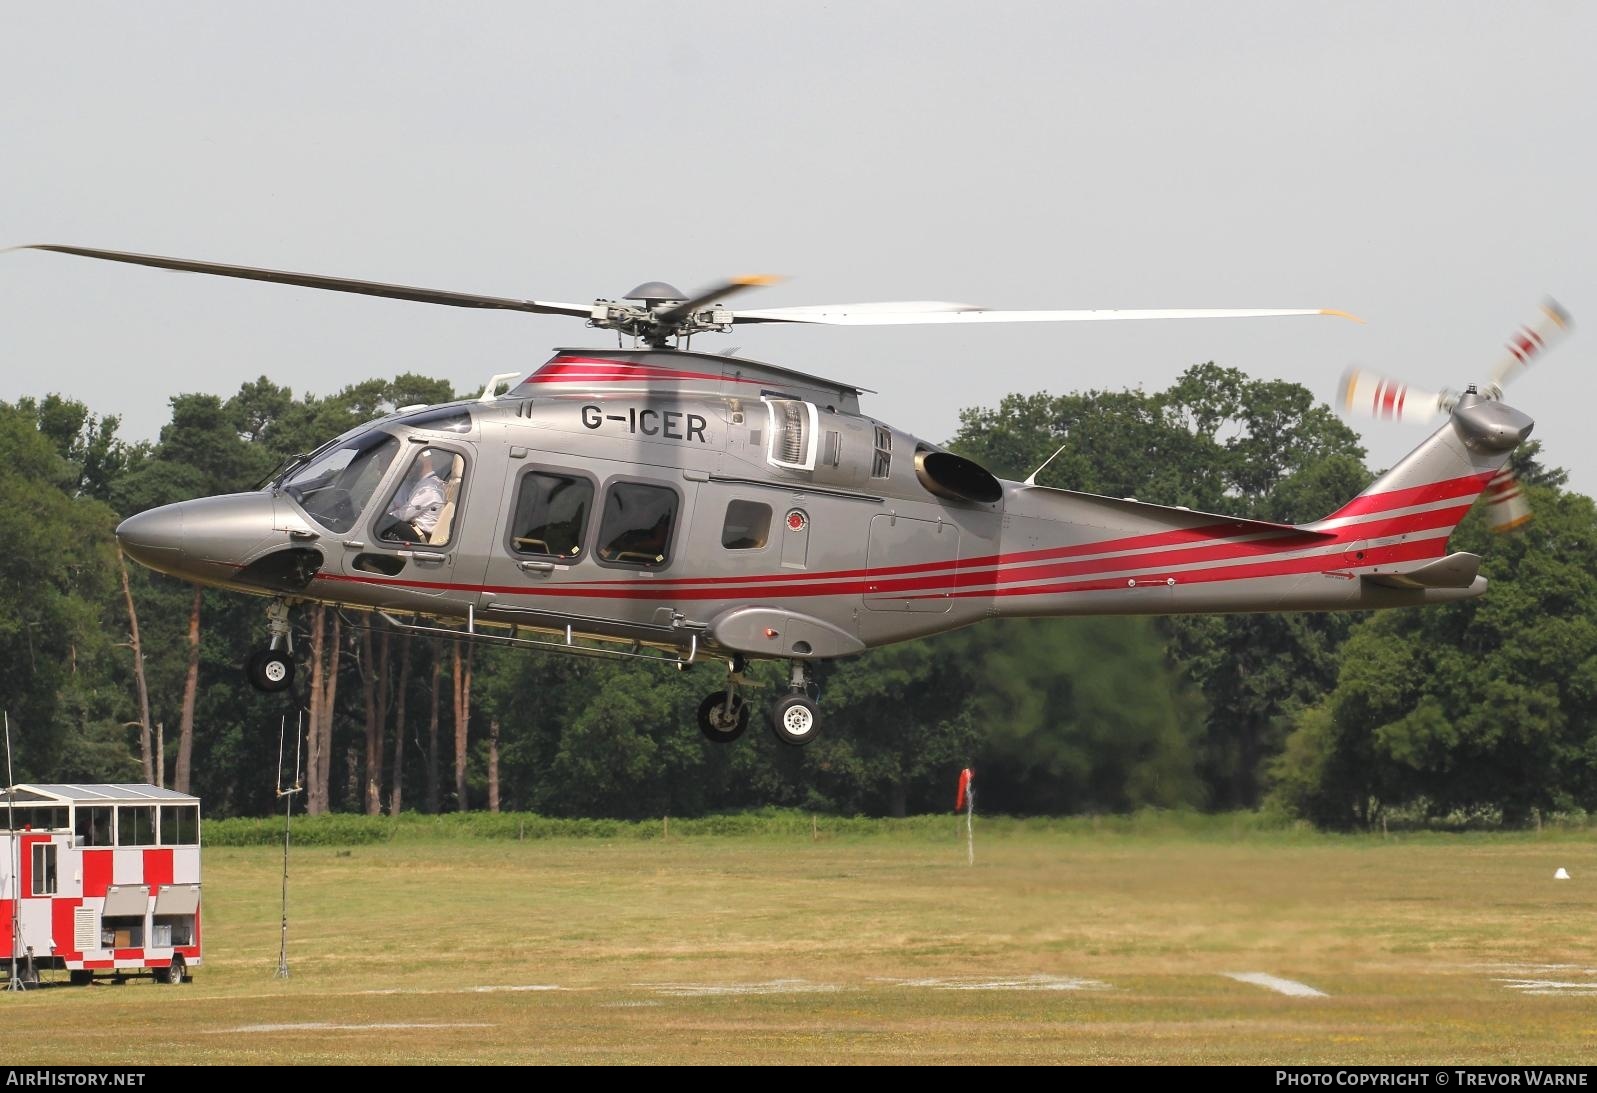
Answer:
(795, 717)
(723, 715)
(272, 669)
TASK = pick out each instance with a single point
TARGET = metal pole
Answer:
(970, 821)
(288, 820)
(14, 983)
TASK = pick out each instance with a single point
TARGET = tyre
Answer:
(714, 721)
(270, 670)
(795, 719)
(175, 973)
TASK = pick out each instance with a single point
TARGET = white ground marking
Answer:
(626, 1005)
(774, 986)
(1551, 986)
(1013, 983)
(521, 987)
(328, 1026)
(469, 990)
(1277, 984)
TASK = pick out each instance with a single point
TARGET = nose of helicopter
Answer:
(153, 538)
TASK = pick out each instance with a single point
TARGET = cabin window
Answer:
(44, 869)
(551, 514)
(92, 825)
(747, 526)
(636, 529)
(336, 487)
(422, 509)
(180, 825)
(882, 463)
(135, 825)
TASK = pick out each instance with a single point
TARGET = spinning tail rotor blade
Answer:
(315, 280)
(1506, 507)
(1530, 342)
(1372, 395)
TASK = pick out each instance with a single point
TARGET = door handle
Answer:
(429, 556)
(539, 569)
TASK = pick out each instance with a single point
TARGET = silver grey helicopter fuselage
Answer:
(795, 527)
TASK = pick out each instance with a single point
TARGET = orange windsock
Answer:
(964, 789)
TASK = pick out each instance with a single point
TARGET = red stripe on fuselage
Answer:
(965, 582)
(600, 370)
(1397, 552)
(1467, 486)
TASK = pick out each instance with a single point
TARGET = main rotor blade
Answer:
(721, 291)
(914, 312)
(315, 280)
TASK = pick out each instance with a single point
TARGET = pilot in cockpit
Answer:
(414, 516)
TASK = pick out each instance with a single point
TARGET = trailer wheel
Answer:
(173, 973)
(80, 977)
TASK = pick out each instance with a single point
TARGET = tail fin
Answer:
(1408, 513)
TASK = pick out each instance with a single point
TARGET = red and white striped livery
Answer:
(99, 878)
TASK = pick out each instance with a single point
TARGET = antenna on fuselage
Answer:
(1031, 479)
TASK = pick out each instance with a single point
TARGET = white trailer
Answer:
(99, 878)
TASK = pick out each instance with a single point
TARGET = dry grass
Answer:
(649, 943)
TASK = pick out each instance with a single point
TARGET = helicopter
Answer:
(653, 501)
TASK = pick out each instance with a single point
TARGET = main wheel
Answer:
(174, 972)
(795, 719)
(714, 721)
(270, 670)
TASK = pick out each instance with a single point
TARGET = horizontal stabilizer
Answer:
(1454, 571)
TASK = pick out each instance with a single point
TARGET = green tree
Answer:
(1488, 705)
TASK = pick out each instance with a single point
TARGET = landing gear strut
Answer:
(272, 669)
(795, 718)
(724, 715)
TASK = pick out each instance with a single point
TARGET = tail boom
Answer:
(1385, 548)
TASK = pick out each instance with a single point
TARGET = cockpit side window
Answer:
(335, 488)
(422, 509)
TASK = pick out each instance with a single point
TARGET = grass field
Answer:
(1059, 945)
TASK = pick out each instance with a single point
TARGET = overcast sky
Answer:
(1427, 166)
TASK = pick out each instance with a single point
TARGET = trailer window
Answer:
(34, 817)
(44, 869)
(92, 825)
(180, 825)
(135, 825)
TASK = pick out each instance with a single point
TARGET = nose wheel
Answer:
(795, 716)
(272, 669)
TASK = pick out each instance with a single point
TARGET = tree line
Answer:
(1484, 708)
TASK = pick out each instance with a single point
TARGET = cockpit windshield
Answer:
(338, 483)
